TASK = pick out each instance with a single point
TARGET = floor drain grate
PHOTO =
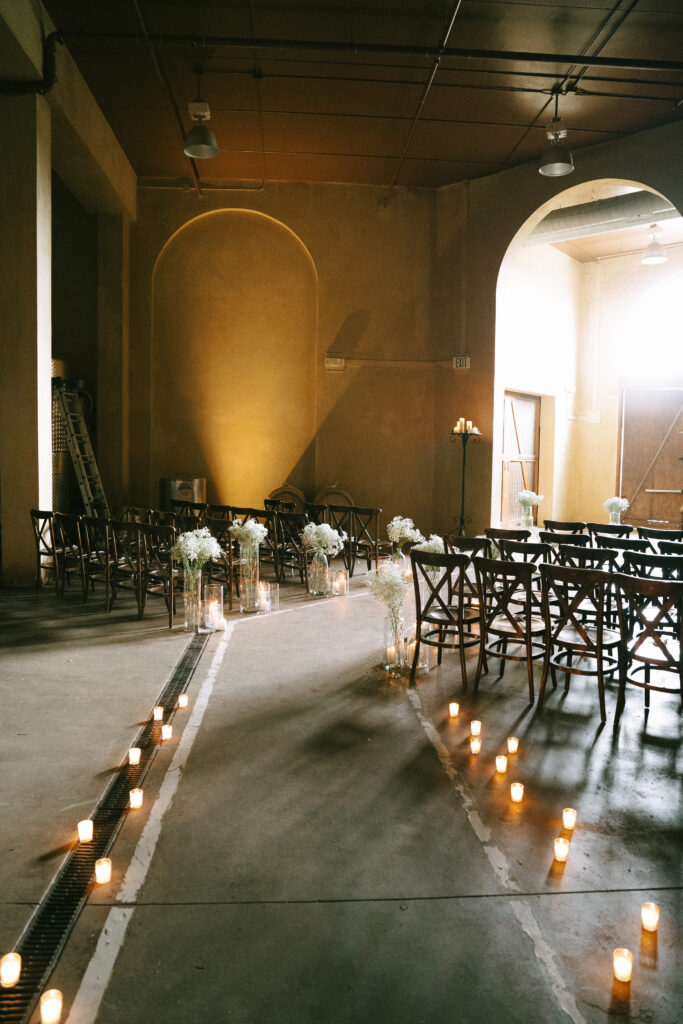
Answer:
(46, 933)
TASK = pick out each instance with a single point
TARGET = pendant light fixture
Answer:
(557, 159)
(655, 251)
(200, 142)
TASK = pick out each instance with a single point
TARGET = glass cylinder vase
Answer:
(398, 558)
(249, 578)
(318, 575)
(192, 589)
(393, 657)
(615, 517)
(211, 618)
(527, 517)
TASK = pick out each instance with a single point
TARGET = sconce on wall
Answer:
(655, 251)
(200, 142)
(557, 159)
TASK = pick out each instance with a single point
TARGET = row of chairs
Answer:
(520, 611)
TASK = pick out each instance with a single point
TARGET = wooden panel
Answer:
(652, 430)
(521, 421)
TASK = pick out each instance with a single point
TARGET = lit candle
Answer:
(475, 744)
(453, 709)
(221, 624)
(513, 744)
(213, 615)
(51, 1006)
(158, 714)
(335, 587)
(135, 797)
(517, 792)
(475, 727)
(622, 960)
(468, 427)
(501, 763)
(103, 870)
(85, 831)
(569, 817)
(134, 755)
(182, 700)
(10, 969)
(649, 916)
(166, 731)
(561, 848)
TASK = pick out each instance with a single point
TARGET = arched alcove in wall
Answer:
(565, 309)
(234, 312)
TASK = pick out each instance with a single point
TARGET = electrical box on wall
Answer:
(461, 362)
(335, 363)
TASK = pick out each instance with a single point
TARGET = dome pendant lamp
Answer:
(557, 159)
(200, 142)
(655, 251)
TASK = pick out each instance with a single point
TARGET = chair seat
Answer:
(651, 652)
(570, 637)
(502, 625)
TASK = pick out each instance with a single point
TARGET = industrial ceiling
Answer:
(413, 92)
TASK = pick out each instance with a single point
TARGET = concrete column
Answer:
(113, 262)
(26, 347)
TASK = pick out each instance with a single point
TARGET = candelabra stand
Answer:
(464, 436)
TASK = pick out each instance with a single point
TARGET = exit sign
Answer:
(461, 362)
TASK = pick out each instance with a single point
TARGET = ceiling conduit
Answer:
(598, 218)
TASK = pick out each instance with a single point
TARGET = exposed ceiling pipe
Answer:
(428, 52)
(614, 214)
(425, 91)
(49, 78)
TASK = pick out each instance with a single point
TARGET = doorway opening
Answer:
(519, 460)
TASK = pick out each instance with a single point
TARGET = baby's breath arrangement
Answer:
(194, 549)
(402, 530)
(616, 505)
(434, 544)
(323, 538)
(388, 585)
(528, 499)
(248, 533)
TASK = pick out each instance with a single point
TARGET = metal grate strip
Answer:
(50, 925)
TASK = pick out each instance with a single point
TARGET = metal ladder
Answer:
(82, 455)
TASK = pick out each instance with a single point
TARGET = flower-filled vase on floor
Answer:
(393, 658)
(191, 598)
(249, 578)
(318, 575)
(323, 541)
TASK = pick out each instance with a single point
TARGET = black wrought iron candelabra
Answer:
(464, 431)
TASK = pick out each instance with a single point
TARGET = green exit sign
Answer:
(461, 362)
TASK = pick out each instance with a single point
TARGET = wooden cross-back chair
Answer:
(651, 620)
(442, 618)
(219, 511)
(291, 551)
(223, 570)
(43, 535)
(189, 509)
(268, 552)
(577, 641)
(125, 566)
(505, 598)
(495, 534)
(156, 568)
(655, 534)
(558, 540)
(365, 536)
(608, 530)
(560, 526)
(316, 513)
(70, 550)
(98, 555)
(275, 505)
(647, 565)
(469, 546)
(340, 518)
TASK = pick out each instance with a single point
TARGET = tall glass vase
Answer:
(394, 642)
(398, 558)
(318, 576)
(527, 518)
(192, 599)
(615, 517)
(249, 578)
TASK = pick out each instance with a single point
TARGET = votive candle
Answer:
(166, 731)
(649, 916)
(475, 744)
(501, 763)
(10, 969)
(513, 744)
(182, 700)
(453, 709)
(569, 817)
(103, 870)
(158, 713)
(622, 960)
(134, 755)
(475, 727)
(85, 830)
(51, 1006)
(517, 792)
(561, 849)
(135, 798)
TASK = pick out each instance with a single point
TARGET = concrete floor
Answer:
(331, 851)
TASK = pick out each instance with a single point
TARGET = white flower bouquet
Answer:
(528, 499)
(388, 585)
(402, 531)
(323, 539)
(616, 505)
(195, 548)
(248, 533)
(434, 544)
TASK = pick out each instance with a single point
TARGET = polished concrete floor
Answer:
(317, 842)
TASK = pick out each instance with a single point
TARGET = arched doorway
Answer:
(570, 290)
(234, 303)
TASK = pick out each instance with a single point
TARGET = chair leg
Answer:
(481, 661)
(530, 669)
(568, 673)
(463, 664)
(501, 673)
(416, 656)
(601, 692)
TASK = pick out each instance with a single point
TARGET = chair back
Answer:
(671, 547)
(467, 545)
(494, 533)
(44, 541)
(559, 526)
(503, 586)
(559, 540)
(647, 565)
(575, 556)
(193, 509)
(316, 513)
(525, 551)
(653, 533)
(219, 511)
(623, 543)
(438, 581)
(275, 505)
(573, 605)
(609, 529)
(650, 618)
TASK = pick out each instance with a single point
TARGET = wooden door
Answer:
(521, 423)
(651, 451)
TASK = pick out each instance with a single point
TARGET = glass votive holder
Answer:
(135, 798)
(517, 792)
(475, 744)
(649, 916)
(85, 830)
(340, 583)
(453, 709)
(569, 817)
(513, 744)
(561, 849)
(10, 969)
(158, 713)
(103, 870)
(183, 700)
(622, 961)
(166, 731)
(501, 763)
(475, 727)
(134, 755)
(51, 1006)
(212, 608)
